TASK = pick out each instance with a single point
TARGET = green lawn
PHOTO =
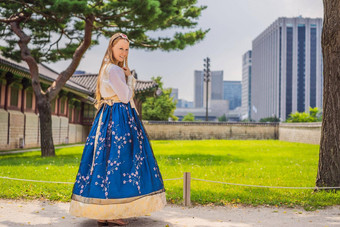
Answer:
(254, 162)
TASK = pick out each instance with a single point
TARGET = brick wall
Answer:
(16, 124)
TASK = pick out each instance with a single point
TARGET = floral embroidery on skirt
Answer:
(118, 164)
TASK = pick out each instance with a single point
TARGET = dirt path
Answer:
(45, 213)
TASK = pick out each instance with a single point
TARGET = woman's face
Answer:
(121, 50)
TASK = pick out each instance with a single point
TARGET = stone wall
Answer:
(292, 132)
(300, 132)
(212, 130)
(3, 129)
(15, 126)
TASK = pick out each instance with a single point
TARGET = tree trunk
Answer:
(45, 117)
(329, 160)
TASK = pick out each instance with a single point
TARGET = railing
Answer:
(187, 185)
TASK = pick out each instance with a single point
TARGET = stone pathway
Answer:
(46, 213)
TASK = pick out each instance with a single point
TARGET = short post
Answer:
(186, 188)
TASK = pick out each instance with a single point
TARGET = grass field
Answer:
(260, 162)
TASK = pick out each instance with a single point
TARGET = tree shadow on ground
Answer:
(199, 159)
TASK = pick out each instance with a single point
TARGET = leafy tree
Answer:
(189, 117)
(312, 116)
(47, 31)
(161, 107)
(329, 161)
(222, 118)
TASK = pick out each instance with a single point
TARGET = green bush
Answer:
(270, 119)
(189, 117)
(314, 115)
(222, 118)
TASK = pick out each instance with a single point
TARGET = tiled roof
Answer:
(45, 73)
(142, 86)
(89, 81)
(84, 83)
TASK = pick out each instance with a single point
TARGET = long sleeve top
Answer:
(113, 82)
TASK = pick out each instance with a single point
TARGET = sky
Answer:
(233, 25)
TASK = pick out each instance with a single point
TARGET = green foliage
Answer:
(222, 118)
(189, 117)
(159, 108)
(57, 28)
(314, 115)
(252, 162)
(270, 119)
(247, 120)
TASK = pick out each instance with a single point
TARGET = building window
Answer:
(301, 68)
(62, 105)
(280, 69)
(70, 113)
(89, 111)
(313, 66)
(76, 114)
(14, 96)
(29, 99)
(289, 71)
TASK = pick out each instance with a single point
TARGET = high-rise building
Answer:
(215, 88)
(198, 89)
(246, 88)
(174, 93)
(287, 68)
(232, 91)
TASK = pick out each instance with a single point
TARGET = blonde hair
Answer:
(109, 58)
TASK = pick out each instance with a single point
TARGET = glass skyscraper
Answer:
(232, 91)
(287, 68)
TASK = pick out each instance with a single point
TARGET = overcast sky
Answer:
(233, 23)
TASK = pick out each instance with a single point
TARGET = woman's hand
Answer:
(126, 71)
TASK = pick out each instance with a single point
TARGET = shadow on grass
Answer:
(199, 159)
(36, 160)
(73, 159)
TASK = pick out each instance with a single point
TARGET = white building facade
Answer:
(246, 88)
(287, 69)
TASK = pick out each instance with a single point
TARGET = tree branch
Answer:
(25, 52)
(56, 86)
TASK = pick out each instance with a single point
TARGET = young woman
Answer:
(118, 175)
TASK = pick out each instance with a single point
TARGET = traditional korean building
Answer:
(72, 110)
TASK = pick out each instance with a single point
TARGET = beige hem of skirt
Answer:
(139, 207)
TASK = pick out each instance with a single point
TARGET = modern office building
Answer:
(215, 88)
(232, 91)
(174, 93)
(286, 74)
(182, 103)
(246, 88)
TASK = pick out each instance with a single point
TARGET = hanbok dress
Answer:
(118, 176)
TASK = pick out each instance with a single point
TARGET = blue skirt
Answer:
(118, 175)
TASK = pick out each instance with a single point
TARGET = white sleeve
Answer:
(116, 80)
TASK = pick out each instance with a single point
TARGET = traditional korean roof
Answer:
(83, 83)
(45, 73)
(142, 86)
(90, 82)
